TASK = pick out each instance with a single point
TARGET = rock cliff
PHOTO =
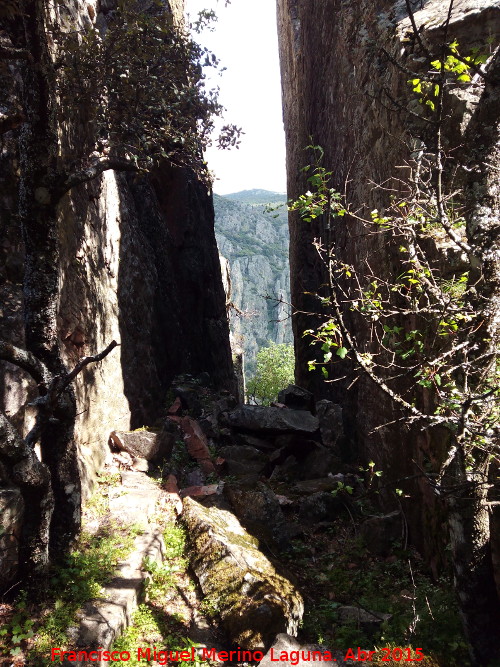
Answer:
(139, 264)
(339, 85)
(256, 244)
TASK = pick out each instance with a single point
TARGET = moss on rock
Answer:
(254, 601)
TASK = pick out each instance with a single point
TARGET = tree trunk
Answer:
(38, 201)
(482, 199)
(469, 519)
(33, 478)
(469, 525)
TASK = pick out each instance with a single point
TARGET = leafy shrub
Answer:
(275, 371)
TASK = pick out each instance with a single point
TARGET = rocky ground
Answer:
(287, 552)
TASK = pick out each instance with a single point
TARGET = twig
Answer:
(85, 362)
(416, 31)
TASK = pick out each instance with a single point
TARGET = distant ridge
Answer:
(255, 241)
(256, 197)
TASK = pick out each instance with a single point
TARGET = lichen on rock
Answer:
(254, 601)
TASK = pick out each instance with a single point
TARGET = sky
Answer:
(245, 40)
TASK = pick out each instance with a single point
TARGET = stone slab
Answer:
(276, 420)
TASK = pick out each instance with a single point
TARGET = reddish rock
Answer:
(197, 491)
(175, 408)
(170, 485)
(196, 440)
(197, 444)
(172, 491)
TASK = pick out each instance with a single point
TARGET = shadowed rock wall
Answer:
(139, 264)
(337, 91)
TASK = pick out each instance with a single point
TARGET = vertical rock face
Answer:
(256, 244)
(139, 264)
(337, 89)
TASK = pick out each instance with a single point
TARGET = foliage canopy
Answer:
(275, 371)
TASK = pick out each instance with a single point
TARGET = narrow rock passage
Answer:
(285, 548)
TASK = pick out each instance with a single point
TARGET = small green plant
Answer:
(180, 459)
(98, 504)
(86, 569)
(163, 576)
(150, 627)
(342, 488)
(210, 606)
(146, 629)
(451, 67)
(19, 629)
(175, 541)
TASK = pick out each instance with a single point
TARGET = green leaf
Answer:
(342, 352)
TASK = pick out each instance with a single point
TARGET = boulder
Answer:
(318, 462)
(253, 600)
(380, 532)
(187, 389)
(274, 420)
(315, 485)
(330, 424)
(143, 444)
(264, 444)
(295, 443)
(200, 491)
(368, 621)
(296, 398)
(243, 460)
(321, 506)
(259, 510)
(195, 477)
(286, 471)
(301, 458)
(11, 519)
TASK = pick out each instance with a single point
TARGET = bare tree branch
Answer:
(99, 166)
(86, 361)
(27, 361)
(416, 31)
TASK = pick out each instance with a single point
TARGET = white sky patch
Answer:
(245, 40)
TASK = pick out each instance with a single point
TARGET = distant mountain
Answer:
(256, 196)
(256, 244)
